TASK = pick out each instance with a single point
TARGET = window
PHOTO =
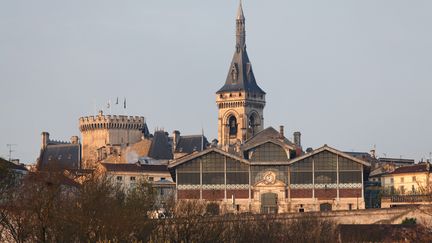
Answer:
(213, 169)
(269, 152)
(402, 190)
(132, 178)
(119, 178)
(325, 165)
(162, 178)
(350, 206)
(236, 172)
(349, 171)
(188, 173)
(301, 172)
(151, 178)
(413, 189)
(391, 180)
(414, 179)
(232, 123)
(401, 179)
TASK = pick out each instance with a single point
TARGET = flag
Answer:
(124, 103)
(117, 101)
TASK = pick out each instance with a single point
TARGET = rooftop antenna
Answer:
(10, 145)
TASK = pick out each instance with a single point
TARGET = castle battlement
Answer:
(102, 121)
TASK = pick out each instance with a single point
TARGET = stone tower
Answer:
(106, 134)
(240, 101)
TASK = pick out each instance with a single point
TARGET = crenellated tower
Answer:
(240, 101)
(102, 133)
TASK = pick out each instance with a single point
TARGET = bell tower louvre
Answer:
(240, 101)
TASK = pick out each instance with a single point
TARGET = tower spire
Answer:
(240, 101)
(240, 14)
(240, 28)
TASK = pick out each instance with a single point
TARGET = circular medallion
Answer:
(269, 178)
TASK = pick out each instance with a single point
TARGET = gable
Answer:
(268, 152)
(330, 150)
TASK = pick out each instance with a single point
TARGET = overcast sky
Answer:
(346, 73)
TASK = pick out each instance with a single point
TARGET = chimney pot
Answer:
(176, 138)
(297, 139)
(281, 131)
(45, 139)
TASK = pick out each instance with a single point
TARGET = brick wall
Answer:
(238, 193)
(350, 192)
(188, 194)
(325, 193)
(213, 195)
(300, 193)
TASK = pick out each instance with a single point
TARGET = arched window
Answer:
(269, 152)
(252, 124)
(232, 123)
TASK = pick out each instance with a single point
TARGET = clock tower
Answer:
(240, 101)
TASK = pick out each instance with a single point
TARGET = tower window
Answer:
(232, 123)
(252, 124)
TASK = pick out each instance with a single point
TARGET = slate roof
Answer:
(189, 144)
(160, 147)
(396, 160)
(265, 135)
(413, 169)
(135, 167)
(244, 79)
(11, 166)
(60, 156)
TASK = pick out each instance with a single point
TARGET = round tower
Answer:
(102, 131)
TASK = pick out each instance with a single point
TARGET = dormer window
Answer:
(234, 73)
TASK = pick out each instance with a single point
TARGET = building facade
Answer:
(407, 185)
(259, 170)
(103, 135)
(270, 181)
(127, 176)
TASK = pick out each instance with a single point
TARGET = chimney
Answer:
(372, 153)
(281, 131)
(45, 139)
(74, 140)
(176, 138)
(297, 139)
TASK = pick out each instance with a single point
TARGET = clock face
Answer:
(269, 178)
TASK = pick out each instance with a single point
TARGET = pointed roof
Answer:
(268, 135)
(240, 14)
(240, 74)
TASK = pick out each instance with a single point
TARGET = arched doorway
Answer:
(269, 203)
(325, 207)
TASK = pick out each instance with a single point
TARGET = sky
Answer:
(351, 74)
